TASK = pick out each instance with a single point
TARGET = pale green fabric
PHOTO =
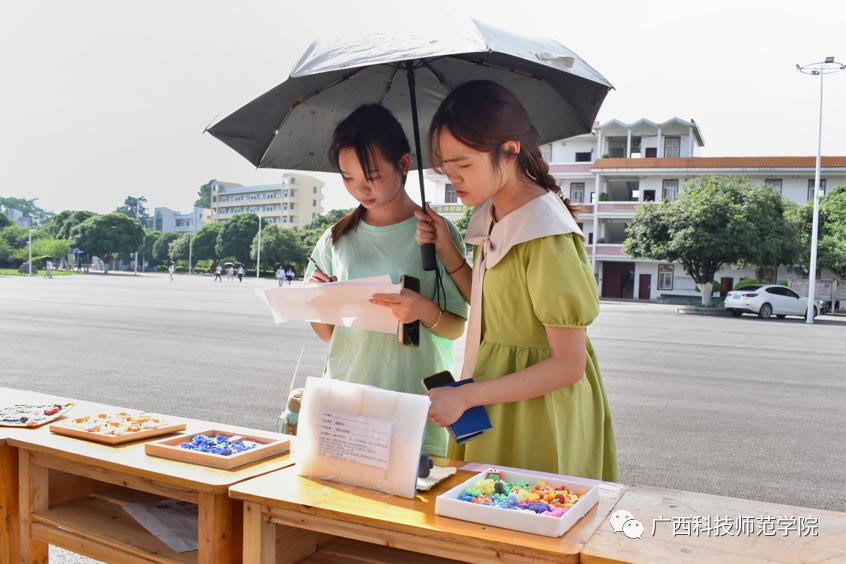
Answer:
(545, 282)
(368, 357)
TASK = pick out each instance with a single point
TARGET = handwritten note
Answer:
(366, 440)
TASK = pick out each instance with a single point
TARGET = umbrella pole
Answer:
(427, 251)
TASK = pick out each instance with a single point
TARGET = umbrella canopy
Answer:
(228, 264)
(46, 257)
(290, 126)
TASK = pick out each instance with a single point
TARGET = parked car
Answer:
(766, 300)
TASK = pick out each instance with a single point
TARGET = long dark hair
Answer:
(368, 128)
(483, 115)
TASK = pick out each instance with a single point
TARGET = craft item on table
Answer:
(290, 418)
(117, 427)
(218, 444)
(32, 415)
(436, 475)
(219, 449)
(345, 303)
(361, 435)
(522, 502)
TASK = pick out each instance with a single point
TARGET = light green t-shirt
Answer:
(377, 359)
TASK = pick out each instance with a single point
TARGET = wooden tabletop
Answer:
(726, 543)
(130, 457)
(329, 501)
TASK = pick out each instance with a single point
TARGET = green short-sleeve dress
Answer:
(544, 282)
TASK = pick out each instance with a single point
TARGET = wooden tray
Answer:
(64, 429)
(169, 448)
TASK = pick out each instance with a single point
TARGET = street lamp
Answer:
(828, 66)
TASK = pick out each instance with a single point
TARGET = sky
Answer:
(103, 99)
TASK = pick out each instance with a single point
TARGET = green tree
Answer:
(279, 245)
(105, 235)
(463, 221)
(236, 237)
(27, 207)
(311, 232)
(703, 229)
(204, 195)
(773, 239)
(831, 234)
(55, 248)
(61, 224)
(179, 247)
(150, 238)
(161, 247)
(205, 241)
(134, 207)
(4, 221)
(15, 236)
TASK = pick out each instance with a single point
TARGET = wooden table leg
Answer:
(9, 529)
(215, 529)
(259, 536)
(34, 489)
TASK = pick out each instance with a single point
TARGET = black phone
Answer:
(409, 333)
(437, 380)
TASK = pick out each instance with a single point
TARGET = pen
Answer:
(317, 266)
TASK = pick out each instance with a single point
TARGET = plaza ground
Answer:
(735, 407)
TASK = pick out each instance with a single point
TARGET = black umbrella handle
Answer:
(427, 251)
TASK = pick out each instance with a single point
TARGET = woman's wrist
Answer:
(431, 315)
(452, 260)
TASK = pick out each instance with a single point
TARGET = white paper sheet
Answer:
(342, 303)
(173, 522)
(366, 440)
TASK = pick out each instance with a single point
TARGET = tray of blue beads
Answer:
(219, 449)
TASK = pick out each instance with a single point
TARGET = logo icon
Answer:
(622, 520)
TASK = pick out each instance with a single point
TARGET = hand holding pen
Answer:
(318, 275)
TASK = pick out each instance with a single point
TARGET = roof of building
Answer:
(637, 126)
(719, 163)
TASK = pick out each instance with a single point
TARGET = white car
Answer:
(767, 300)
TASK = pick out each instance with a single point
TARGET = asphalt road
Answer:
(736, 407)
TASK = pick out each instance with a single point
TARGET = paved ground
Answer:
(737, 407)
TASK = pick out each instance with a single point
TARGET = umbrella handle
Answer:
(427, 251)
(428, 256)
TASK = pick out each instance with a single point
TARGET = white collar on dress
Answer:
(543, 216)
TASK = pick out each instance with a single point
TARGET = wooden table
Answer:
(288, 517)
(72, 490)
(648, 503)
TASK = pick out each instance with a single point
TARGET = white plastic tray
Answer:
(448, 504)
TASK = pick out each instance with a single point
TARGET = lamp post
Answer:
(258, 253)
(822, 68)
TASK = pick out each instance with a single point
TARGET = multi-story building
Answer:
(294, 202)
(17, 217)
(168, 220)
(619, 166)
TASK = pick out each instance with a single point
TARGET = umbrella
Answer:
(46, 257)
(228, 264)
(410, 73)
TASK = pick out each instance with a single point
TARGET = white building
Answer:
(17, 217)
(644, 163)
(294, 202)
(170, 221)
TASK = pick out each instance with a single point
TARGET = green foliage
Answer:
(55, 248)
(310, 233)
(27, 207)
(5, 254)
(205, 265)
(205, 241)
(161, 247)
(16, 237)
(279, 245)
(4, 221)
(204, 195)
(105, 235)
(772, 240)
(60, 225)
(746, 282)
(236, 236)
(831, 237)
(134, 207)
(150, 238)
(179, 247)
(464, 221)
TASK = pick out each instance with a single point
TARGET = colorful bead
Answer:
(220, 445)
(540, 498)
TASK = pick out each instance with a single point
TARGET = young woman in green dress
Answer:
(371, 152)
(531, 291)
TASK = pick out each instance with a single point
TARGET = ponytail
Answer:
(347, 223)
(533, 165)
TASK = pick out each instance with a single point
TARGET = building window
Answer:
(583, 157)
(773, 184)
(577, 192)
(672, 147)
(314, 190)
(665, 276)
(670, 190)
(449, 194)
(811, 188)
(314, 203)
(651, 153)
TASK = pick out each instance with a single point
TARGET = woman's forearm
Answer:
(447, 324)
(535, 381)
(458, 269)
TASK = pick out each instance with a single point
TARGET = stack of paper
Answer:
(360, 435)
(343, 303)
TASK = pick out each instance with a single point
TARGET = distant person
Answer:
(280, 274)
(49, 267)
(230, 273)
(218, 270)
(289, 275)
(241, 273)
(171, 267)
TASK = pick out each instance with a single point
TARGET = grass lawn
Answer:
(14, 272)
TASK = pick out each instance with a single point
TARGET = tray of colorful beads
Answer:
(219, 449)
(520, 502)
(118, 427)
(32, 415)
